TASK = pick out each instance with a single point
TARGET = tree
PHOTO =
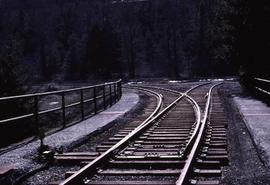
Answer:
(102, 53)
(13, 78)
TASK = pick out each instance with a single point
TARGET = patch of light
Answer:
(218, 80)
(212, 80)
(54, 103)
(230, 79)
(173, 81)
(130, 83)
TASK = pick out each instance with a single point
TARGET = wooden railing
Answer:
(97, 97)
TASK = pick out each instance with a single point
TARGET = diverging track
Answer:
(171, 146)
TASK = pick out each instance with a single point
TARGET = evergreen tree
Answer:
(102, 53)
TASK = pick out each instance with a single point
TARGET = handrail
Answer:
(263, 80)
(57, 92)
(114, 94)
(261, 85)
(262, 90)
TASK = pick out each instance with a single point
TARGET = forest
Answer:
(80, 40)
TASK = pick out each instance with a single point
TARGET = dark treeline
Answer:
(252, 38)
(80, 39)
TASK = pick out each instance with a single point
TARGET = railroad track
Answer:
(152, 106)
(182, 141)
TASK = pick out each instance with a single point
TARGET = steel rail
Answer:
(159, 96)
(91, 168)
(198, 121)
(191, 100)
(170, 90)
(77, 178)
(183, 178)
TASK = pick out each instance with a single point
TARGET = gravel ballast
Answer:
(245, 165)
(23, 158)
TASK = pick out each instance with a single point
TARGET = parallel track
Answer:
(156, 151)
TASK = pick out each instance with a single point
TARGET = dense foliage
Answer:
(81, 39)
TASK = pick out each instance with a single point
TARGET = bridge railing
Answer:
(88, 101)
(261, 88)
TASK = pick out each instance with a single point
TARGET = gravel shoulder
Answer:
(245, 165)
(23, 159)
(56, 172)
(256, 116)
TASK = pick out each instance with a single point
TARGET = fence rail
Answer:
(262, 85)
(100, 96)
(259, 87)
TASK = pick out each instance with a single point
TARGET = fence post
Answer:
(114, 92)
(118, 91)
(95, 100)
(120, 88)
(104, 97)
(110, 94)
(82, 104)
(36, 115)
(63, 109)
